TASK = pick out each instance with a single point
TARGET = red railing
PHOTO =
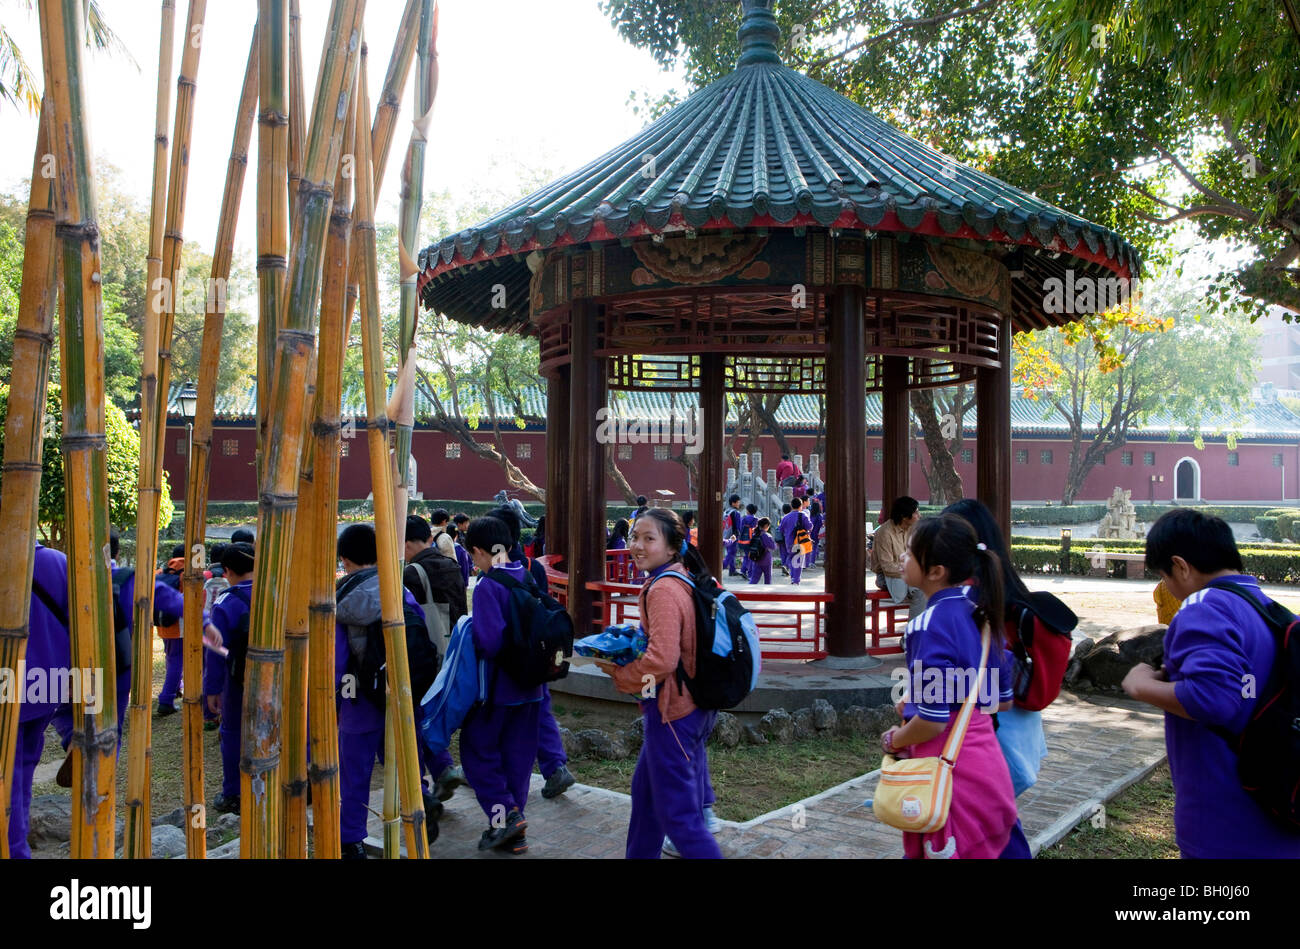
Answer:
(883, 622)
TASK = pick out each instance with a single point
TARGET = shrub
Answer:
(1267, 527)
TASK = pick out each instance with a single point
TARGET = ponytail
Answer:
(990, 604)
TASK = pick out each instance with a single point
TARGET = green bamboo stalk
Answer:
(138, 833)
(392, 813)
(381, 478)
(81, 355)
(297, 109)
(272, 200)
(24, 429)
(260, 800)
(412, 200)
(196, 487)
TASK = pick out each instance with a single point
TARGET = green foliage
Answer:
(1270, 566)
(1072, 514)
(1267, 527)
(123, 461)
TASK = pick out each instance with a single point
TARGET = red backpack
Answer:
(1041, 653)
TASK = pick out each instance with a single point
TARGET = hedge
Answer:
(1267, 527)
(1270, 566)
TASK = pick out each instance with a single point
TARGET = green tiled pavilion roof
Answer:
(763, 147)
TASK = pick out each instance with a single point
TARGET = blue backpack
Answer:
(727, 656)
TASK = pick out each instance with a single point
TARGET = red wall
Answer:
(472, 478)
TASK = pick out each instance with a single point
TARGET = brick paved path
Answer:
(1095, 750)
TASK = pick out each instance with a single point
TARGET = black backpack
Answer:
(237, 642)
(368, 659)
(1268, 750)
(539, 633)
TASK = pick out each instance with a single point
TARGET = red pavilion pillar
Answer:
(896, 469)
(846, 493)
(712, 419)
(993, 433)
(557, 462)
(588, 385)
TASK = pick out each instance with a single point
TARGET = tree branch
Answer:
(903, 25)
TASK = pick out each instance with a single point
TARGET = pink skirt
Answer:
(983, 809)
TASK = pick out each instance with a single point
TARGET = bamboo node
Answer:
(20, 632)
(272, 117)
(322, 609)
(45, 339)
(317, 774)
(79, 442)
(262, 654)
(16, 466)
(86, 232)
(271, 262)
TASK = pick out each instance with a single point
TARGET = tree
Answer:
(238, 364)
(20, 85)
(123, 467)
(1108, 374)
(940, 413)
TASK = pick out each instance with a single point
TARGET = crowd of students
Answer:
(953, 568)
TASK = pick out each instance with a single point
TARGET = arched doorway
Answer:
(1187, 480)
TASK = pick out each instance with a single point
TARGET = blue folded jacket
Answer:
(460, 685)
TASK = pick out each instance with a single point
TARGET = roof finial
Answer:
(759, 34)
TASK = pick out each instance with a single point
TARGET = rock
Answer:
(852, 721)
(574, 747)
(1072, 671)
(803, 723)
(753, 736)
(601, 745)
(1083, 684)
(228, 851)
(727, 731)
(175, 819)
(1111, 658)
(168, 841)
(778, 726)
(50, 818)
(824, 716)
(1082, 648)
(221, 828)
(880, 719)
(633, 736)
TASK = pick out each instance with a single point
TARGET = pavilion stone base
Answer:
(782, 684)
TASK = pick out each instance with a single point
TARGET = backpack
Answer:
(756, 549)
(121, 624)
(539, 633)
(802, 539)
(437, 616)
(727, 656)
(368, 659)
(1268, 750)
(1041, 653)
(237, 642)
(161, 619)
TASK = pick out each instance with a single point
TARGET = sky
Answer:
(523, 84)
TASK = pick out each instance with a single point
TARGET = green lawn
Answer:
(1139, 825)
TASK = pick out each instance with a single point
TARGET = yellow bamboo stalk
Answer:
(392, 813)
(272, 200)
(322, 513)
(137, 835)
(196, 487)
(381, 477)
(297, 108)
(260, 800)
(81, 363)
(20, 495)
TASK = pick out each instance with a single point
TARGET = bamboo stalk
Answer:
(24, 430)
(272, 200)
(392, 813)
(196, 487)
(412, 199)
(323, 513)
(137, 835)
(381, 477)
(81, 355)
(260, 801)
(297, 108)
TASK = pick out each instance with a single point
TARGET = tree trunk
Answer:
(764, 407)
(945, 482)
(612, 469)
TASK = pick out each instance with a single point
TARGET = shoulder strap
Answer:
(509, 582)
(44, 596)
(424, 581)
(1275, 615)
(952, 746)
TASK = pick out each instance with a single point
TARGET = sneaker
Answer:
(165, 710)
(669, 850)
(559, 782)
(226, 805)
(353, 851)
(495, 837)
(432, 814)
(64, 778)
(712, 821)
(445, 786)
(519, 846)
(212, 724)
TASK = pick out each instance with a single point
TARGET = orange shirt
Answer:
(668, 614)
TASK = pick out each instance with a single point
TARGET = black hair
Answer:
(238, 558)
(786, 509)
(539, 535)
(1205, 542)
(177, 551)
(218, 550)
(113, 543)
(764, 523)
(453, 531)
(439, 516)
(902, 508)
(688, 518)
(621, 527)
(510, 517)
(814, 507)
(796, 503)
(357, 544)
(673, 529)
(640, 499)
(489, 534)
(950, 541)
(751, 508)
(733, 499)
(460, 517)
(785, 457)
(243, 536)
(417, 529)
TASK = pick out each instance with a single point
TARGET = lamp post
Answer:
(188, 401)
